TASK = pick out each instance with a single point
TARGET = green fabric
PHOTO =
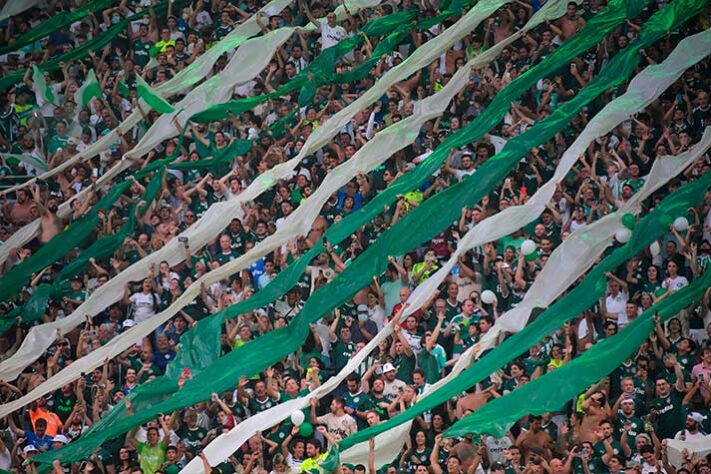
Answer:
(88, 90)
(152, 189)
(580, 298)
(55, 23)
(95, 44)
(40, 88)
(31, 160)
(153, 99)
(552, 391)
(162, 395)
(238, 147)
(61, 244)
(322, 70)
(100, 249)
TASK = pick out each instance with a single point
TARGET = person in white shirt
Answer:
(674, 282)
(331, 32)
(692, 429)
(616, 300)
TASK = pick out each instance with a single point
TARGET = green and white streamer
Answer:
(88, 90)
(553, 390)
(152, 98)
(567, 263)
(43, 93)
(643, 89)
(225, 444)
(200, 68)
(595, 30)
(206, 95)
(32, 160)
(229, 367)
(220, 214)
(195, 72)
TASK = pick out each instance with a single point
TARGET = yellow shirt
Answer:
(311, 464)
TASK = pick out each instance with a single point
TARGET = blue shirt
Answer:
(42, 444)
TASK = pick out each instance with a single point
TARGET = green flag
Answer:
(153, 99)
(88, 90)
(39, 87)
(35, 162)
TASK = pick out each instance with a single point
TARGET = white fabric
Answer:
(582, 248)
(200, 68)
(700, 447)
(220, 214)
(220, 448)
(244, 65)
(15, 7)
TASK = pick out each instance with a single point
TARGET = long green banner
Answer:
(552, 391)
(162, 396)
(55, 23)
(580, 298)
(60, 245)
(95, 44)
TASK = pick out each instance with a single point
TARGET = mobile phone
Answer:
(182, 239)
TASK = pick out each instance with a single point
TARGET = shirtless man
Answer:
(20, 211)
(570, 24)
(474, 400)
(596, 410)
(534, 438)
(50, 223)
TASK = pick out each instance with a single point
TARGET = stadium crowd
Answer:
(620, 424)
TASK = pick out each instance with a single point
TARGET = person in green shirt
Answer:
(226, 253)
(358, 403)
(192, 434)
(432, 357)
(141, 46)
(151, 454)
(59, 139)
(667, 406)
(342, 348)
(402, 356)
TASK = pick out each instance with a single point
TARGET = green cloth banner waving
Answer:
(580, 298)
(55, 23)
(552, 391)
(251, 358)
(61, 244)
(82, 51)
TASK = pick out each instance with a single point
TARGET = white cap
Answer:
(696, 416)
(129, 323)
(30, 448)
(388, 368)
(60, 438)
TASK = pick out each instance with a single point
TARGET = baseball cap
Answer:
(696, 416)
(129, 323)
(60, 438)
(388, 368)
(30, 448)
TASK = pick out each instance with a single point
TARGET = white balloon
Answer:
(528, 247)
(623, 235)
(297, 418)
(681, 224)
(655, 249)
(488, 296)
